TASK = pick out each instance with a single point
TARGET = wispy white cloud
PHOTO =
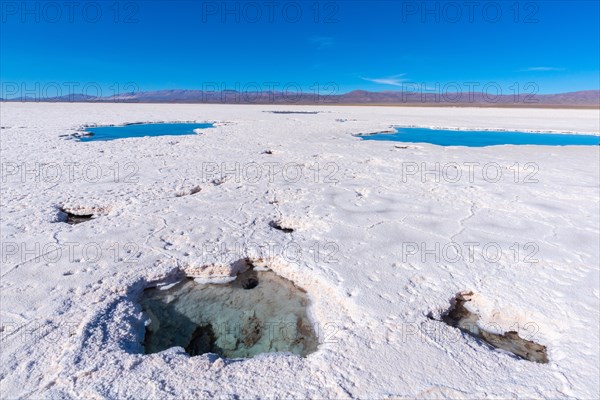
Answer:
(322, 42)
(394, 80)
(530, 69)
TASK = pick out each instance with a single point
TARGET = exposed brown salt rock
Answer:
(460, 317)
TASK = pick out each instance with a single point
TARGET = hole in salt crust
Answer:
(258, 312)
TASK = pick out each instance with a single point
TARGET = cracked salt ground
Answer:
(258, 312)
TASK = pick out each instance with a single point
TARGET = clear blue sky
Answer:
(374, 45)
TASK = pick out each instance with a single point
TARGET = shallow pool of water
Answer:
(444, 137)
(103, 133)
(258, 312)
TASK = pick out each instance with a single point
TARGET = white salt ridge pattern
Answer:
(68, 322)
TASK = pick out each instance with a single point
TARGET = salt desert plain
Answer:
(366, 221)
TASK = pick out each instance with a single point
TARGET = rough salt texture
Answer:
(70, 312)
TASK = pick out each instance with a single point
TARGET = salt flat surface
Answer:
(366, 223)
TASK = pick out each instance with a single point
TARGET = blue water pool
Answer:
(444, 137)
(98, 133)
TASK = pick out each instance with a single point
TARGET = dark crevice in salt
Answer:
(73, 219)
(203, 341)
(250, 282)
(277, 226)
(460, 317)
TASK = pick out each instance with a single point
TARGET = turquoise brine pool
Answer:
(445, 137)
(102, 133)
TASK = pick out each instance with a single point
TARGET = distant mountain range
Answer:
(587, 98)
